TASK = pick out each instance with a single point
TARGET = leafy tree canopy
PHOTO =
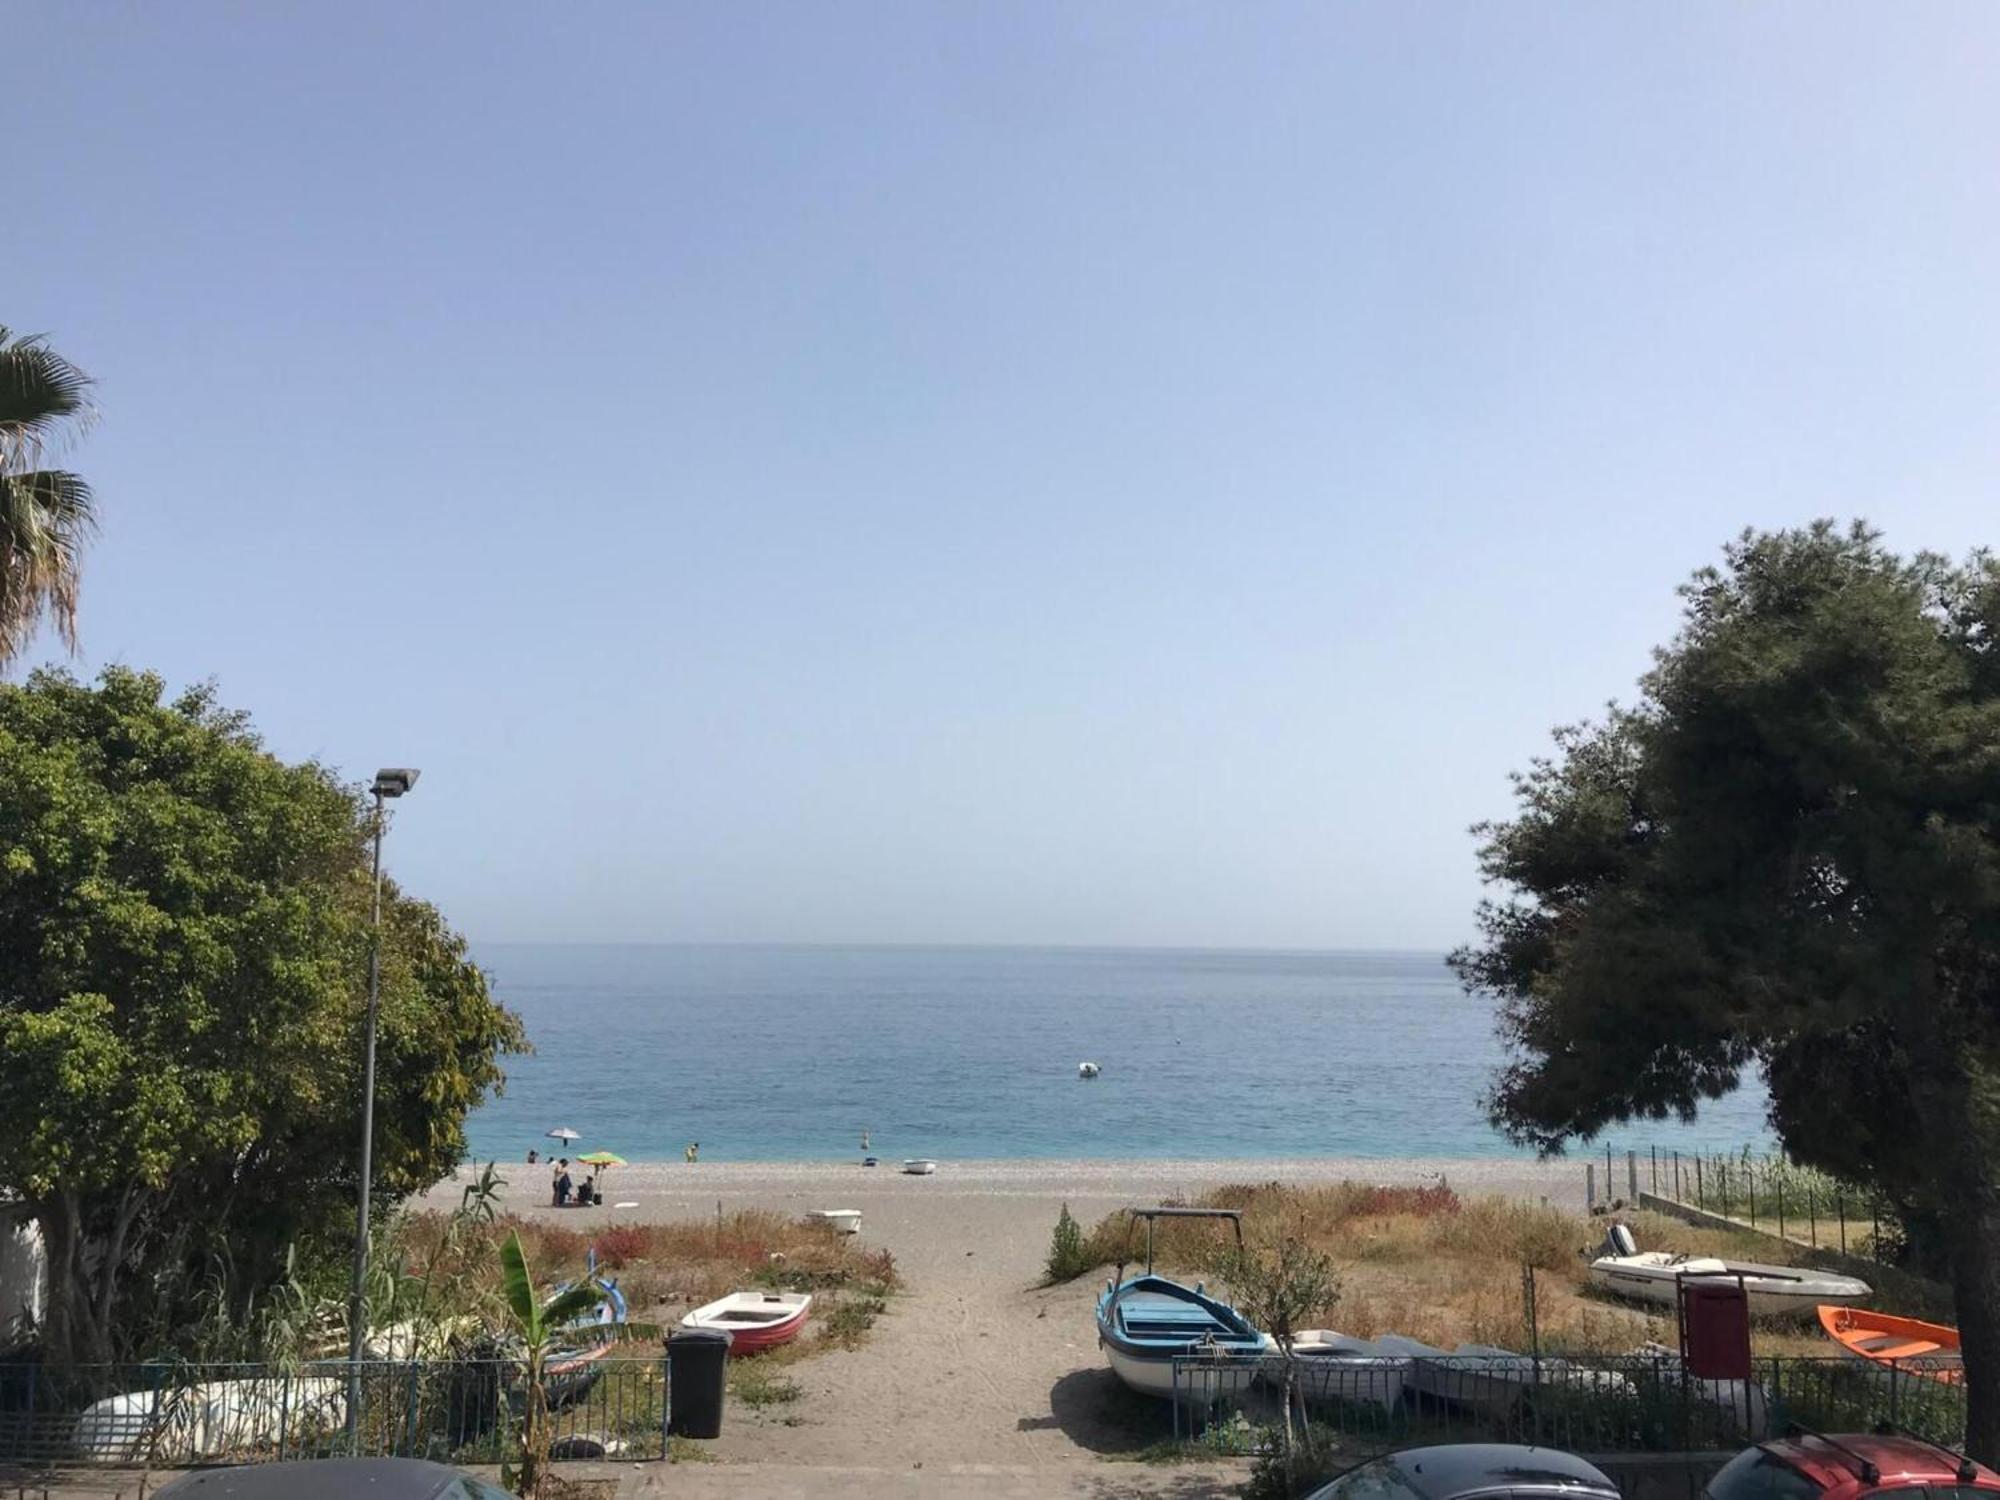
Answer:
(183, 955)
(1786, 855)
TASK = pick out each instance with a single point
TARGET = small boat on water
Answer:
(1087, 1070)
(1336, 1367)
(754, 1321)
(1774, 1291)
(1896, 1346)
(920, 1166)
(1148, 1322)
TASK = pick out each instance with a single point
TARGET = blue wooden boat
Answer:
(1149, 1321)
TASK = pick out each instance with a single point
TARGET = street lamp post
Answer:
(393, 781)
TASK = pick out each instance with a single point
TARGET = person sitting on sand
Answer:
(587, 1194)
(533, 1156)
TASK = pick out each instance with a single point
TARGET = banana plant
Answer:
(536, 1323)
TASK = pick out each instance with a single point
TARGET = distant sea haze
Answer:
(789, 1053)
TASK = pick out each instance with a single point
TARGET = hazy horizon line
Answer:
(1021, 947)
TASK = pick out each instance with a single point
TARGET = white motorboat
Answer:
(846, 1220)
(1655, 1276)
(754, 1320)
(920, 1166)
(1336, 1367)
(1087, 1070)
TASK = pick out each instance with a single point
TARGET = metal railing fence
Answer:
(460, 1411)
(1585, 1403)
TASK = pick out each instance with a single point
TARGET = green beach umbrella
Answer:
(602, 1159)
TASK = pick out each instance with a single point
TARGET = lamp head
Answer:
(393, 781)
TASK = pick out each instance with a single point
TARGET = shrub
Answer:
(621, 1244)
(850, 1320)
(757, 1386)
(1067, 1257)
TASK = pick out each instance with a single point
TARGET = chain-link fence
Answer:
(1775, 1196)
(602, 1404)
(1593, 1404)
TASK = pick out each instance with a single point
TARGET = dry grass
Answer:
(666, 1269)
(1426, 1263)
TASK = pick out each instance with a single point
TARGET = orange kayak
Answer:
(1901, 1345)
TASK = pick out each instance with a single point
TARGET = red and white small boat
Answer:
(754, 1320)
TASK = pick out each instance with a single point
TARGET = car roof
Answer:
(1458, 1468)
(1899, 1458)
(319, 1479)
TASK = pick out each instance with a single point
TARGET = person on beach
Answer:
(563, 1184)
(864, 1143)
(533, 1156)
(693, 1151)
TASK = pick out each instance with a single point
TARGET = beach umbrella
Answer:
(602, 1159)
(565, 1134)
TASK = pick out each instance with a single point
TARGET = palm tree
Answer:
(46, 515)
(535, 1324)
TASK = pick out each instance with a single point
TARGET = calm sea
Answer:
(787, 1053)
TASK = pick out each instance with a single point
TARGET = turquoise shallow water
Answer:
(787, 1053)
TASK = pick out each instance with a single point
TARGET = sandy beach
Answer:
(975, 1369)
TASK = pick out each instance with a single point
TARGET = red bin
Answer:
(1715, 1329)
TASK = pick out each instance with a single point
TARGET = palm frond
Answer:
(47, 517)
(518, 1286)
(41, 394)
(571, 1303)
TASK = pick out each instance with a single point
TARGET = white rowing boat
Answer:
(754, 1320)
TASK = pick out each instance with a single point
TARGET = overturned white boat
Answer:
(1655, 1276)
(1492, 1382)
(844, 1220)
(920, 1166)
(1333, 1366)
(1743, 1401)
(199, 1423)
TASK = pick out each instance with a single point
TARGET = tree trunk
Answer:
(1975, 1284)
(74, 1333)
(1965, 1183)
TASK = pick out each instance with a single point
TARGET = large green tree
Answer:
(46, 514)
(1785, 856)
(183, 945)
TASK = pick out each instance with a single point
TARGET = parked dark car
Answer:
(1455, 1471)
(335, 1479)
(1850, 1466)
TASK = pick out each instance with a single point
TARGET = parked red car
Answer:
(1807, 1466)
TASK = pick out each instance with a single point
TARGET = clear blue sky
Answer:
(1128, 473)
